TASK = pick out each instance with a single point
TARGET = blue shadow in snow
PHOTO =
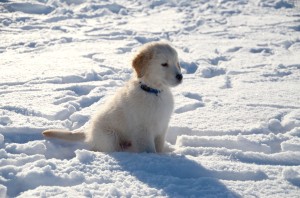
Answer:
(173, 175)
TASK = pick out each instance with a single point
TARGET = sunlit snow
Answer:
(235, 129)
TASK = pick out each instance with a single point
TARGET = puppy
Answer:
(136, 118)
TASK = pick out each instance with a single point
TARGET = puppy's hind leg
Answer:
(65, 135)
(103, 141)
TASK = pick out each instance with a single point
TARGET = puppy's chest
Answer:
(156, 109)
(159, 107)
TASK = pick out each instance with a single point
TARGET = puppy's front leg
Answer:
(150, 148)
(146, 144)
(160, 143)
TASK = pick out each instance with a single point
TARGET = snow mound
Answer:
(292, 176)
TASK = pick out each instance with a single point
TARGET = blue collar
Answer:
(149, 89)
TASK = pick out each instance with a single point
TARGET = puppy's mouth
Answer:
(178, 80)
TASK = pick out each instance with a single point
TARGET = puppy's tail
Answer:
(65, 135)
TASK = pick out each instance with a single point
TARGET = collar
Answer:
(149, 89)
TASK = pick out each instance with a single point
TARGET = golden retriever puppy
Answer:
(136, 118)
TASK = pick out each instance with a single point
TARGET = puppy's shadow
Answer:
(173, 175)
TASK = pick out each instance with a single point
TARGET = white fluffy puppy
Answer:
(137, 117)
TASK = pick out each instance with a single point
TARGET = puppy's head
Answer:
(158, 63)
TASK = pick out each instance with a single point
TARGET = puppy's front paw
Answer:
(168, 148)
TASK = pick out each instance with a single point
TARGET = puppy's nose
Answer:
(179, 77)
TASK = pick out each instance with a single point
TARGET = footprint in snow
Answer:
(264, 50)
(234, 49)
(190, 68)
(210, 72)
(189, 107)
(79, 90)
(218, 59)
(196, 103)
(194, 96)
(29, 8)
(277, 73)
(123, 50)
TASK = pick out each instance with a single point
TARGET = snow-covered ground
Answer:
(236, 123)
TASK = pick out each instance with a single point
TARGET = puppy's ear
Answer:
(141, 61)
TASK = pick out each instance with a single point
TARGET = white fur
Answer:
(133, 119)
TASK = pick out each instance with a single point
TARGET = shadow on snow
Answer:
(174, 175)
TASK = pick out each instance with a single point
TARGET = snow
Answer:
(235, 130)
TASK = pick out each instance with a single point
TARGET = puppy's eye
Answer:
(165, 64)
